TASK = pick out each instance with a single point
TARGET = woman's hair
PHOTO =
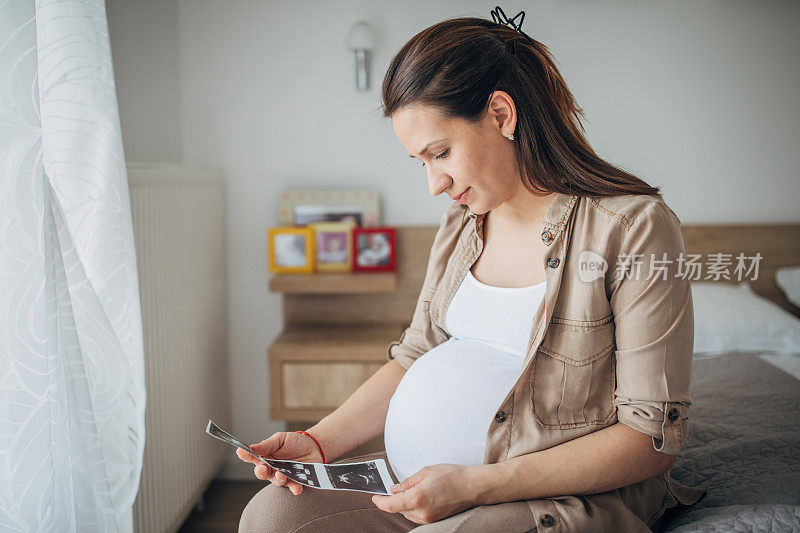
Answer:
(454, 67)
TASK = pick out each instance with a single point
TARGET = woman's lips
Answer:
(462, 198)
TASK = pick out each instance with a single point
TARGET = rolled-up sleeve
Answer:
(654, 331)
(418, 337)
(412, 341)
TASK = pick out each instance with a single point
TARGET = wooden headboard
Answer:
(778, 244)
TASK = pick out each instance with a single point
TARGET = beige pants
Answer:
(275, 509)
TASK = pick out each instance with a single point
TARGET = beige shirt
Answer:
(604, 347)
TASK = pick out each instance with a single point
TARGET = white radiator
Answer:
(179, 229)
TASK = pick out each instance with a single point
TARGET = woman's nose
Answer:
(437, 183)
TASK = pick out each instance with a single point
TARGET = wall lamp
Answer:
(361, 40)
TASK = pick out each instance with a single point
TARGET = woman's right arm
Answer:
(362, 416)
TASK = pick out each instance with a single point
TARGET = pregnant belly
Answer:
(442, 408)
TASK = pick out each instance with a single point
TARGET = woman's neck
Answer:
(521, 211)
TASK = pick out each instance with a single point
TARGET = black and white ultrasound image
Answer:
(296, 471)
(358, 476)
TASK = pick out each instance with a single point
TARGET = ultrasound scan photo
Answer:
(356, 476)
(367, 476)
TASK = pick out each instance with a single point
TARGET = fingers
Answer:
(269, 445)
(277, 478)
(264, 472)
(295, 487)
(263, 448)
(249, 457)
(280, 479)
(246, 456)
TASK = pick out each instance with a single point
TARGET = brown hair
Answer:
(455, 65)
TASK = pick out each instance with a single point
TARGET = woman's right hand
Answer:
(286, 446)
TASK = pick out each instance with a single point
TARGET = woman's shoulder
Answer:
(629, 224)
(629, 209)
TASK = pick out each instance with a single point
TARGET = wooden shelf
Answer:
(334, 283)
(354, 342)
(315, 368)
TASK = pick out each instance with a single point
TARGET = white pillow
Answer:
(788, 279)
(730, 317)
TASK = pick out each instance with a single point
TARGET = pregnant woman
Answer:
(543, 382)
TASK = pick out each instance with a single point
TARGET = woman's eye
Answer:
(441, 156)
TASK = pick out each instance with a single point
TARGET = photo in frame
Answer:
(333, 245)
(373, 249)
(291, 250)
(302, 207)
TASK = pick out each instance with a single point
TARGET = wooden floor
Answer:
(223, 505)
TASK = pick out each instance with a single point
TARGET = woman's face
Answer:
(464, 155)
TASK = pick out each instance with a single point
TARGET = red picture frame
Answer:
(369, 252)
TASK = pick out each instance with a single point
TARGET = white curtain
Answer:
(71, 367)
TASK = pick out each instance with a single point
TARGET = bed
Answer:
(744, 438)
(743, 446)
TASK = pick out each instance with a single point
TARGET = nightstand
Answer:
(336, 330)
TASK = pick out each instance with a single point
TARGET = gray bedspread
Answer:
(743, 446)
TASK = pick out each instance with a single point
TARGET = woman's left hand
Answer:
(433, 493)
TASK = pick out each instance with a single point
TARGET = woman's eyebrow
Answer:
(425, 148)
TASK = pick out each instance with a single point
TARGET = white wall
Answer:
(700, 98)
(144, 49)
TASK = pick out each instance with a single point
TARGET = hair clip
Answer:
(500, 17)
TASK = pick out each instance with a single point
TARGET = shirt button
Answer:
(547, 237)
(547, 520)
(673, 414)
(552, 262)
(500, 416)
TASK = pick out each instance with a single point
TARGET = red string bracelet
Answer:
(315, 442)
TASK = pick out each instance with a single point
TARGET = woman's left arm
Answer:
(607, 459)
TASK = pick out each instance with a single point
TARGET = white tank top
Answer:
(443, 406)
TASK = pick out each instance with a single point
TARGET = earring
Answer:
(510, 136)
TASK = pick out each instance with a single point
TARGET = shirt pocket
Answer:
(573, 374)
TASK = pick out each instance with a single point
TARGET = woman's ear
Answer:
(503, 112)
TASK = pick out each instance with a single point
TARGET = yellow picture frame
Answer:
(291, 250)
(329, 236)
